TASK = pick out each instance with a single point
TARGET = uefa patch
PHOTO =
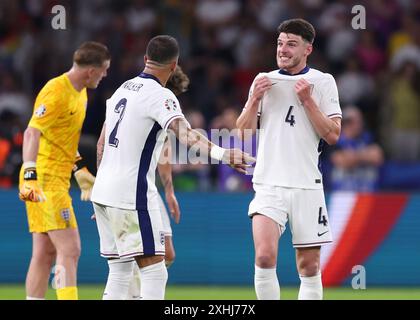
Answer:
(65, 214)
(162, 238)
(40, 111)
(170, 105)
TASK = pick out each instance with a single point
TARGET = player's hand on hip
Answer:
(29, 190)
(303, 90)
(173, 206)
(261, 86)
(238, 160)
(85, 180)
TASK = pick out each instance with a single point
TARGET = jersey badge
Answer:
(40, 111)
(170, 105)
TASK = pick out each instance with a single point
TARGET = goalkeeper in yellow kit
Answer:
(50, 155)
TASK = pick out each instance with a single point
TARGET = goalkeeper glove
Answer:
(29, 189)
(84, 179)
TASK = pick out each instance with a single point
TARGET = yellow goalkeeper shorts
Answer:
(56, 212)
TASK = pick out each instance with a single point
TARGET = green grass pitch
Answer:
(94, 292)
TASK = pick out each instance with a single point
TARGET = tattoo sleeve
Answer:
(188, 136)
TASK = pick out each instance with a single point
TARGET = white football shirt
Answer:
(137, 117)
(288, 145)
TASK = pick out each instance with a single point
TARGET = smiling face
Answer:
(292, 52)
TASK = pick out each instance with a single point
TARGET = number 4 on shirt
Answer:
(290, 118)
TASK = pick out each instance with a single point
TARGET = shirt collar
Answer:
(303, 71)
(149, 76)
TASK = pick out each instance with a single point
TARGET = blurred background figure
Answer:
(357, 158)
(228, 178)
(189, 174)
(11, 138)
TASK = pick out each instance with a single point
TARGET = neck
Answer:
(76, 79)
(161, 74)
(297, 68)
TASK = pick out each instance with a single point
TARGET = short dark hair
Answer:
(162, 49)
(299, 27)
(91, 53)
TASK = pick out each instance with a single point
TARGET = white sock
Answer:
(153, 281)
(134, 289)
(266, 284)
(34, 298)
(119, 278)
(310, 288)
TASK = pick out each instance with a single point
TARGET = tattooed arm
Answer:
(100, 147)
(190, 137)
(165, 173)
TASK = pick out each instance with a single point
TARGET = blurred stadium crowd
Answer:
(224, 44)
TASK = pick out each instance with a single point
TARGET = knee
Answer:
(308, 268)
(265, 260)
(71, 252)
(47, 257)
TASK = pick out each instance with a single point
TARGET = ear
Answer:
(145, 60)
(90, 71)
(173, 65)
(309, 50)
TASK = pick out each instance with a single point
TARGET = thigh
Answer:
(270, 202)
(137, 233)
(42, 245)
(66, 241)
(308, 218)
(266, 234)
(107, 241)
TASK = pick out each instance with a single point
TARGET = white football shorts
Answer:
(304, 209)
(127, 233)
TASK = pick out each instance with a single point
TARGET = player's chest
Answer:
(73, 114)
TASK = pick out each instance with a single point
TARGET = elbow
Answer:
(31, 134)
(332, 138)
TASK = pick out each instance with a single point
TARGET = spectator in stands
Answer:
(227, 179)
(403, 120)
(357, 158)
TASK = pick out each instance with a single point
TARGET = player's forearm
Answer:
(165, 167)
(100, 147)
(327, 129)
(190, 137)
(165, 173)
(30, 146)
(248, 118)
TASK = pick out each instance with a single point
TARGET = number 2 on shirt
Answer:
(119, 108)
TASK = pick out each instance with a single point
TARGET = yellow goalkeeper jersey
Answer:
(59, 112)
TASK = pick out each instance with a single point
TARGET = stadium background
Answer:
(224, 44)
